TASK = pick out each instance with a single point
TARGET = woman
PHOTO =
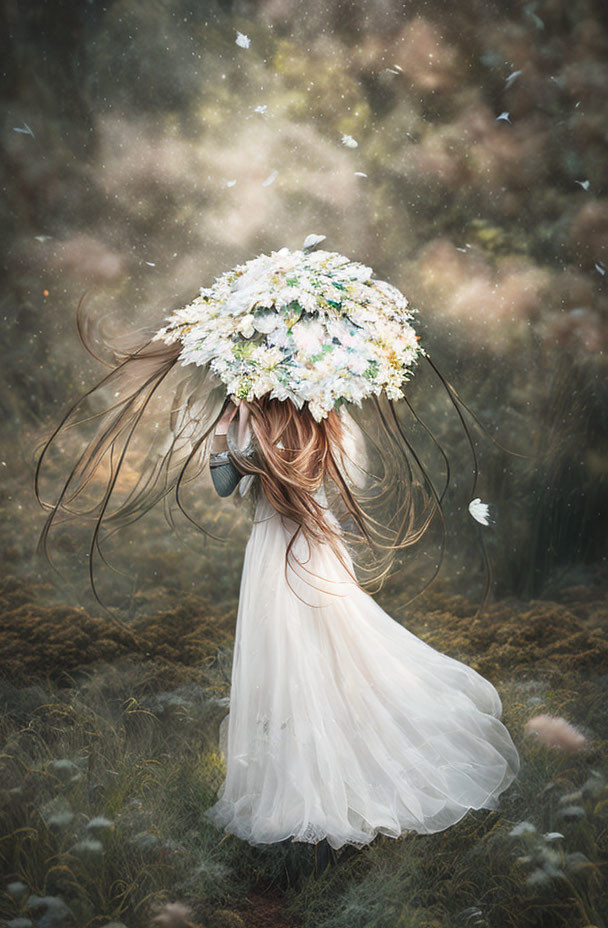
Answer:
(342, 724)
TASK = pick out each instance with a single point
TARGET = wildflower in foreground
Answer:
(556, 732)
(173, 915)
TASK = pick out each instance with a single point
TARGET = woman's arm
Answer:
(224, 474)
(219, 436)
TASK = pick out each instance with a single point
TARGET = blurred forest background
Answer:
(147, 147)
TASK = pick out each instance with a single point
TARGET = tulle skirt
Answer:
(342, 723)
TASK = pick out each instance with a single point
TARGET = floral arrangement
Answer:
(311, 326)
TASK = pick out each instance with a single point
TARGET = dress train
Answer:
(343, 724)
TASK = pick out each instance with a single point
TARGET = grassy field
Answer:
(110, 756)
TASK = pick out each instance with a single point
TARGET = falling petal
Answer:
(311, 240)
(584, 184)
(511, 78)
(261, 108)
(360, 174)
(529, 11)
(46, 238)
(480, 511)
(25, 131)
(505, 116)
(601, 269)
(349, 141)
(270, 179)
(552, 835)
(150, 264)
(242, 40)
(230, 183)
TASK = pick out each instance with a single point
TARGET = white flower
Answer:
(358, 363)
(264, 382)
(388, 290)
(523, 828)
(308, 301)
(348, 336)
(265, 301)
(300, 325)
(220, 366)
(280, 337)
(480, 511)
(318, 411)
(349, 141)
(245, 325)
(266, 357)
(360, 272)
(167, 337)
(308, 336)
(243, 40)
(267, 322)
(280, 392)
(233, 387)
(287, 295)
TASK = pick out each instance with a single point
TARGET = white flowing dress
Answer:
(342, 723)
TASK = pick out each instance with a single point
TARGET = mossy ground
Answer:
(110, 757)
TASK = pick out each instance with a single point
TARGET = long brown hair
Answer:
(296, 455)
(154, 419)
(138, 436)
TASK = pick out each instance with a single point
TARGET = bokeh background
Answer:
(460, 150)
